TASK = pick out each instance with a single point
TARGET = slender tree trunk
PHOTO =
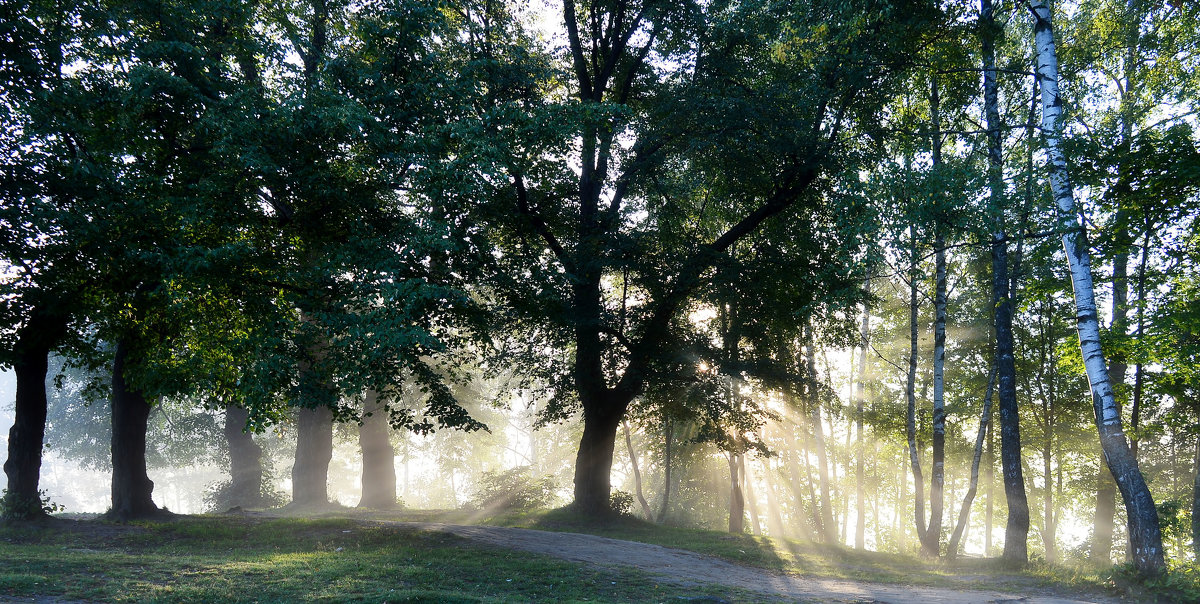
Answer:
(860, 528)
(314, 450)
(637, 474)
(1017, 531)
(131, 485)
(901, 502)
(846, 484)
(34, 342)
(737, 505)
(668, 433)
(378, 456)
(1144, 535)
(964, 514)
(1196, 504)
(826, 528)
(1048, 528)
(911, 394)
(245, 460)
(751, 500)
(991, 484)
(937, 475)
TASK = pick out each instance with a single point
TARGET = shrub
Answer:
(621, 503)
(12, 508)
(219, 496)
(513, 490)
(1180, 584)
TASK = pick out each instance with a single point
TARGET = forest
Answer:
(907, 276)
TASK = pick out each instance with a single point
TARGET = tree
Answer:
(1144, 534)
(759, 119)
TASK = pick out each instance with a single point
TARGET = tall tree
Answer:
(633, 130)
(1144, 533)
(1016, 533)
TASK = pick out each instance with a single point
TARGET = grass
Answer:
(339, 557)
(233, 559)
(810, 559)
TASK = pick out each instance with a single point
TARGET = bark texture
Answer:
(245, 460)
(1016, 532)
(1144, 534)
(314, 450)
(737, 503)
(31, 351)
(131, 485)
(378, 456)
(937, 475)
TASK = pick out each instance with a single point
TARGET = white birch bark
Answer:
(1145, 535)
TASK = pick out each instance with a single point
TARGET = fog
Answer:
(442, 470)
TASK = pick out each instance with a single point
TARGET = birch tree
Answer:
(1144, 534)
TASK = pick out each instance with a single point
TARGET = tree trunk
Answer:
(378, 456)
(991, 483)
(737, 505)
(245, 460)
(1048, 528)
(1196, 505)
(910, 391)
(826, 529)
(964, 514)
(668, 433)
(937, 474)
(31, 350)
(751, 500)
(860, 399)
(1017, 532)
(845, 496)
(131, 485)
(937, 477)
(593, 463)
(314, 450)
(1145, 536)
(637, 474)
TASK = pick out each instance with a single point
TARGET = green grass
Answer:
(233, 559)
(811, 559)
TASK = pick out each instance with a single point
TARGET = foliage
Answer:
(1179, 585)
(218, 496)
(12, 509)
(515, 489)
(621, 503)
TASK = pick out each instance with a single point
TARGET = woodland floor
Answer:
(743, 569)
(687, 568)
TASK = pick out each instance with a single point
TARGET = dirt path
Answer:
(688, 568)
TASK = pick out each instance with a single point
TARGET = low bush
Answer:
(514, 490)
